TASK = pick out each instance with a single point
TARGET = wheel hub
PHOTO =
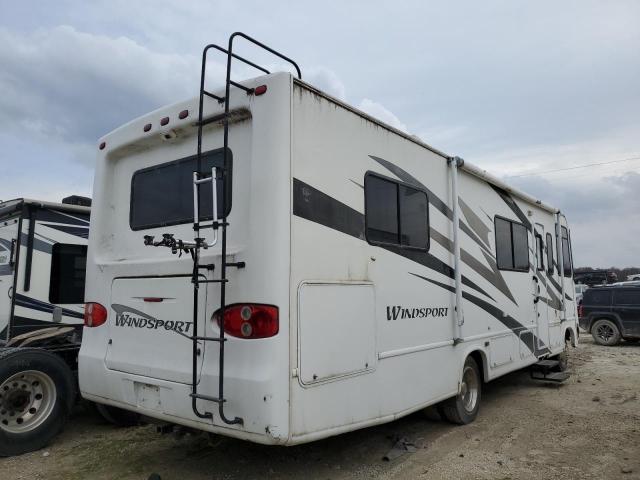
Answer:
(26, 400)
(469, 389)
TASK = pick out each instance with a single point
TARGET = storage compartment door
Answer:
(336, 330)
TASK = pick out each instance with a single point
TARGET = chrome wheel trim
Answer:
(469, 389)
(26, 401)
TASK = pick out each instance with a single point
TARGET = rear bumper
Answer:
(168, 401)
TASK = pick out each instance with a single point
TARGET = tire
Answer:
(563, 358)
(605, 332)
(463, 408)
(118, 416)
(37, 392)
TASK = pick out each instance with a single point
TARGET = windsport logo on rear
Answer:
(133, 318)
(395, 312)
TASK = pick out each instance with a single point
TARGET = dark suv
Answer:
(611, 313)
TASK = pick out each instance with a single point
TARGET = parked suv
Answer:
(611, 313)
(595, 277)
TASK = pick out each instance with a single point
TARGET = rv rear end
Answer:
(136, 352)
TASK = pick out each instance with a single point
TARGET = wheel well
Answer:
(479, 357)
(611, 318)
(570, 336)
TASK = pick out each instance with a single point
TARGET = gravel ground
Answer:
(588, 427)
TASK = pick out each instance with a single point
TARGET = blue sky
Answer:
(515, 87)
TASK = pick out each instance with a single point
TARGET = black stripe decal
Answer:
(20, 325)
(82, 232)
(318, 207)
(507, 320)
(513, 206)
(38, 244)
(40, 306)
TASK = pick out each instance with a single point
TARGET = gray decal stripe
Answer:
(475, 222)
(38, 244)
(5, 243)
(48, 215)
(6, 270)
(28, 302)
(513, 206)
(318, 207)
(507, 320)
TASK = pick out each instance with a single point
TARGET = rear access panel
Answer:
(336, 330)
(149, 322)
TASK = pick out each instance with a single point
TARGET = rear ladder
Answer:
(217, 224)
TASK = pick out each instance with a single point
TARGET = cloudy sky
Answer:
(517, 87)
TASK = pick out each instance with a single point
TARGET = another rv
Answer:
(269, 263)
(43, 249)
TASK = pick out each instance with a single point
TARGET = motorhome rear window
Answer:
(395, 213)
(567, 259)
(68, 265)
(512, 245)
(162, 195)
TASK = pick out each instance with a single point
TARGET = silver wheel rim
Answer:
(605, 332)
(26, 401)
(469, 389)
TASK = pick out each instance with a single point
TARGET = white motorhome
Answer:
(43, 249)
(341, 273)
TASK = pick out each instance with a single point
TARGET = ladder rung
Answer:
(209, 94)
(215, 280)
(242, 87)
(209, 339)
(207, 397)
(236, 264)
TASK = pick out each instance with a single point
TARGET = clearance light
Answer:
(249, 320)
(183, 114)
(147, 127)
(102, 145)
(262, 89)
(94, 314)
(164, 121)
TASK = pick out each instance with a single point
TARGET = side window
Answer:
(567, 261)
(395, 214)
(627, 297)
(68, 264)
(549, 254)
(512, 245)
(597, 297)
(540, 251)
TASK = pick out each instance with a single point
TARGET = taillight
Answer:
(94, 314)
(580, 310)
(249, 320)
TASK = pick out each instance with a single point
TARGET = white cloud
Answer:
(326, 80)
(381, 113)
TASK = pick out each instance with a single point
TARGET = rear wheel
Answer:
(605, 332)
(463, 408)
(37, 391)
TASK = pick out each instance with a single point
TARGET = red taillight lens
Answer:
(580, 311)
(249, 320)
(261, 90)
(94, 314)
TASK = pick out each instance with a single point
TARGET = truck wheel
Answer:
(605, 332)
(37, 391)
(118, 416)
(463, 408)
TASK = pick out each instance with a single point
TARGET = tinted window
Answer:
(627, 297)
(597, 297)
(566, 253)
(504, 247)
(396, 214)
(68, 265)
(382, 210)
(520, 247)
(512, 245)
(414, 229)
(163, 195)
(539, 252)
(549, 254)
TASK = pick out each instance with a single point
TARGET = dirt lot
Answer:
(588, 427)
